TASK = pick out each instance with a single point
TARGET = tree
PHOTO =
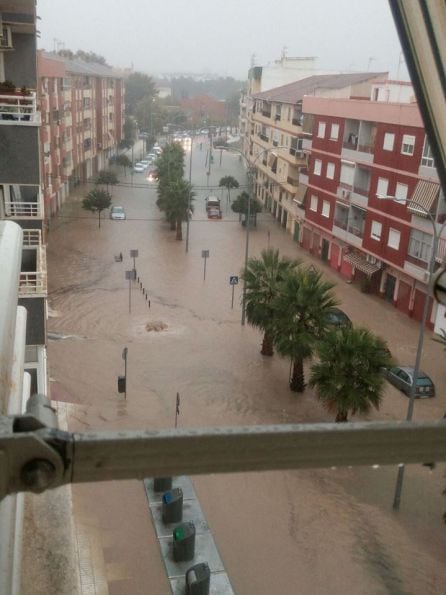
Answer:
(300, 320)
(176, 202)
(262, 279)
(228, 182)
(106, 178)
(124, 162)
(129, 130)
(348, 376)
(138, 86)
(97, 201)
(240, 205)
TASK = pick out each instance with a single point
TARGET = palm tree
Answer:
(349, 376)
(228, 182)
(300, 319)
(177, 201)
(262, 278)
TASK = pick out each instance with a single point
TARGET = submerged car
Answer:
(338, 318)
(117, 213)
(402, 378)
(139, 167)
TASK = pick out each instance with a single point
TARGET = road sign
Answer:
(124, 353)
(233, 280)
(133, 253)
(205, 254)
(130, 275)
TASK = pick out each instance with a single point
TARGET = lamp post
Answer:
(250, 175)
(409, 415)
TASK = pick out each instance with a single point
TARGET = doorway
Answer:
(389, 288)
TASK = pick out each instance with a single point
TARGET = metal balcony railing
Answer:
(16, 108)
(32, 237)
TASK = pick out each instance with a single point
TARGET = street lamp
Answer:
(435, 239)
(250, 174)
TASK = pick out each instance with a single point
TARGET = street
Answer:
(307, 532)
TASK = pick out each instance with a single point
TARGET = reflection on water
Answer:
(328, 531)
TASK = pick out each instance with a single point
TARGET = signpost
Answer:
(124, 357)
(233, 280)
(131, 276)
(134, 254)
(205, 255)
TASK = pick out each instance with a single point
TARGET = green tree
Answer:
(348, 376)
(106, 178)
(175, 202)
(300, 319)
(138, 86)
(97, 201)
(124, 162)
(240, 205)
(228, 182)
(129, 130)
(262, 279)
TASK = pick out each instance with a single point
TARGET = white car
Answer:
(117, 213)
(151, 157)
(145, 162)
(139, 167)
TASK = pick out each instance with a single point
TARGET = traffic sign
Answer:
(233, 280)
(205, 254)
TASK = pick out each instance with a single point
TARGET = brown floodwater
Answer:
(307, 532)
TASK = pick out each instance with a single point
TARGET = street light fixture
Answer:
(250, 174)
(435, 239)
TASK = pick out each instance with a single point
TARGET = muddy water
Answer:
(329, 531)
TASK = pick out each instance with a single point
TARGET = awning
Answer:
(425, 195)
(359, 262)
(299, 197)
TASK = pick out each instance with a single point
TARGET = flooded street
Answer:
(306, 532)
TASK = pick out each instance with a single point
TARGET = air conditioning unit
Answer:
(5, 38)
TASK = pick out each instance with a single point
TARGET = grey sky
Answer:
(220, 36)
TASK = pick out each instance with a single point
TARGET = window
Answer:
(382, 187)
(317, 167)
(347, 174)
(408, 144)
(325, 208)
(393, 240)
(321, 130)
(334, 132)
(420, 245)
(313, 203)
(427, 159)
(389, 140)
(376, 230)
(330, 170)
(401, 191)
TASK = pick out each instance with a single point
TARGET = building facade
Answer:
(324, 148)
(21, 195)
(82, 109)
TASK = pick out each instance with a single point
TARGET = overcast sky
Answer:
(221, 36)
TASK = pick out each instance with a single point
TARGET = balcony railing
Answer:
(18, 209)
(32, 238)
(264, 137)
(342, 223)
(33, 282)
(19, 109)
(266, 114)
(356, 231)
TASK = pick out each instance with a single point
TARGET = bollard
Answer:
(198, 579)
(173, 506)
(184, 542)
(162, 484)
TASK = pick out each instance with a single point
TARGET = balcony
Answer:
(341, 223)
(23, 207)
(292, 181)
(18, 109)
(264, 138)
(33, 281)
(266, 114)
(356, 230)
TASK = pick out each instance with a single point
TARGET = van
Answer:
(212, 202)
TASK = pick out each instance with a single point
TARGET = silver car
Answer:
(402, 378)
(117, 213)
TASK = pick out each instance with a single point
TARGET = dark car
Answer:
(402, 378)
(338, 318)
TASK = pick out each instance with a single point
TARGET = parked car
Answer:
(145, 162)
(214, 213)
(139, 167)
(338, 318)
(402, 378)
(151, 157)
(117, 213)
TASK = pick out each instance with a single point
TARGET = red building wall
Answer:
(395, 159)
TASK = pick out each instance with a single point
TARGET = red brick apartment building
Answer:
(323, 148)
(82, 111)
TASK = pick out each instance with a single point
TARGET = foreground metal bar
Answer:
(127, 455)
